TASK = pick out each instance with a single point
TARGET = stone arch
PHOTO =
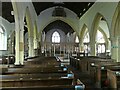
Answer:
(30, 27)
(84, 46)
(115, 35)
(83, 32)
(60, 28)
(104, 34)
(66, 20)
(95, 25)
(105, 38)
(35, 35)
(93, 32)
(29, 21)
(115, 22)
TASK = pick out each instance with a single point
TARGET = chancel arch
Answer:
(60, 29)
(70, 18)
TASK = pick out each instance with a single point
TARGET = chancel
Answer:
(59, 45)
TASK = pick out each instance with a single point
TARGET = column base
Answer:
(21, 64)
(16, 63)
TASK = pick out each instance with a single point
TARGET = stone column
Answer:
(21, 46)
(68, 49)
(31, 46)
(35, 47)
(72, 48)
(81, 47)
(60, 49)
(35, 43)
(118, 49)
(114, 48)
(12, 47)
(54, 49)
(92, 48)
(45, 49)
(40, 45)
(64, 49)
(50, 50)
(17, 39)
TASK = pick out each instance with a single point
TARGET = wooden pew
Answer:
(75, 62)
(36, 69)
(50, 75)
(113, 79)
(14, 82)
(33, 70)
(45, 63)
(56, 87)
(27, 80)
(78, 86)
(3, 69)
(48, 65)
(15, 78)
(84, 63)
(8, 59)
(35, 82)
(92, 66)
(100, 76)
(43, 60)
(38, 66)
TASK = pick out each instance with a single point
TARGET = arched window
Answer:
(2, 39)
(76, 39)
(86, 38)
(100, 42)
(99, 37)
(56, 37)
(86, 41)
(76, 44)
